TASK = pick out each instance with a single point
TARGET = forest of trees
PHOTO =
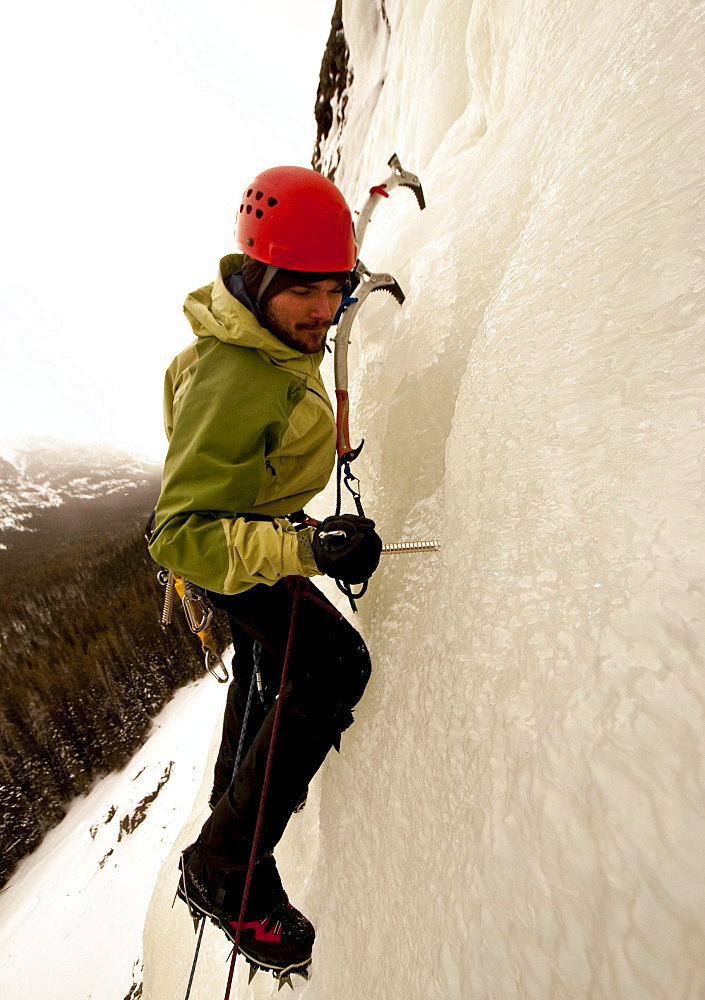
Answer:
(85, 664)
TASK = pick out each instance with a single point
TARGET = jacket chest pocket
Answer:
(304, 459)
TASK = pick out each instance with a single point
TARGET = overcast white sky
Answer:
(131, 128)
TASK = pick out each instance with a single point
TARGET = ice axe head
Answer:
(368, 282)
(408, 180)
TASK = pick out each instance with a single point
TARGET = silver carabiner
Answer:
(214, 663)
(198, 614)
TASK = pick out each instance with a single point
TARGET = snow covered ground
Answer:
(71, 919)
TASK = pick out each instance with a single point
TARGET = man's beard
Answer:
(292, 339)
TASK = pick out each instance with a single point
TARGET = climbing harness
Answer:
(199, 617)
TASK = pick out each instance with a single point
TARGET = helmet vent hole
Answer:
(249, 209)
(242, 209)
(249, 193)
(272, 202)
(259, 213)
(259, 196)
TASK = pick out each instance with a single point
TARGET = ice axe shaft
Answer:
(368, 283)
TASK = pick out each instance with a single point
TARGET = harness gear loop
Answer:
(199, 616)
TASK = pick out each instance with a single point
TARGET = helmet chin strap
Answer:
(267, 279)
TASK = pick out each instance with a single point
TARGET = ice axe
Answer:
(368, 283)
(398, 178)
(365, 282)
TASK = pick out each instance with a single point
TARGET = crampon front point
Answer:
(283, 976)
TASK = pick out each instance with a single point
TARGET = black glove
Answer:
(347, 547)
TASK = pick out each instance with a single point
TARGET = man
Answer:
(252, 440)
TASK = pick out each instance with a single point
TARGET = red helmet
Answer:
(295, 218)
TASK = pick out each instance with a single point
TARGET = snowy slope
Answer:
(71, 917)
(518, 811)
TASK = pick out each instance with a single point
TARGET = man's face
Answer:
(301, 316)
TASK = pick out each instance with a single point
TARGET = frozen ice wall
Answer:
(519, 811)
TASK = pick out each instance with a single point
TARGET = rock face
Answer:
(332, 98)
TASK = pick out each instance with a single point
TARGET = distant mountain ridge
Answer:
(53, 492)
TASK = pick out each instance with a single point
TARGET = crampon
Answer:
(283, 976)
(280, 942)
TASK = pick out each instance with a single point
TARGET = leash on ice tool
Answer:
(199, 617)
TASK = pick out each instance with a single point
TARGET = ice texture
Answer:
(519, 809)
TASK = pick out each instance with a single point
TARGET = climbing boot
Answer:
(274, 935)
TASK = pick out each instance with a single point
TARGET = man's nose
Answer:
(321, 307)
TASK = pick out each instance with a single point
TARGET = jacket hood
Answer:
(213, 311)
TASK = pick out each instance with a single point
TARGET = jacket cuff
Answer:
(306, 553)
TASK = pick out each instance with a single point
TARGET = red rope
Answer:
(265, 783)
(297, 586)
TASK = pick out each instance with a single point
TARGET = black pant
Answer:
(328, 670)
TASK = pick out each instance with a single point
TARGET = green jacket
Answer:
(251, 431)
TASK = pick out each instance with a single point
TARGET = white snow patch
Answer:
(71, 918)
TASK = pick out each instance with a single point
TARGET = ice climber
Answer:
(251, 440)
